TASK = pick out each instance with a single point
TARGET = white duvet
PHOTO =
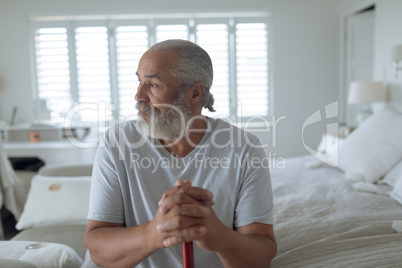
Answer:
(322, 221)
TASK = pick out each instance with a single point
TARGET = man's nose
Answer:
(141, 94)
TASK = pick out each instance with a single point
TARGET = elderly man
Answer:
(175, 176)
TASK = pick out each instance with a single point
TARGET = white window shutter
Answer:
(52, 69)
(165, 32)
(131, 43)
(238, 49)
(215, 40)
(93, 73)
(252, 69)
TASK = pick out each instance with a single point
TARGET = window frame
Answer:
(111, 22)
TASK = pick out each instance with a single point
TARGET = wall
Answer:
(305, 56)
(388, 33)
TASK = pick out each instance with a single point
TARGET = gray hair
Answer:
(194, 65)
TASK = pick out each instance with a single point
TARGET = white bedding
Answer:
(322, 221)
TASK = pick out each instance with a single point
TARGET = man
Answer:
(174, 176)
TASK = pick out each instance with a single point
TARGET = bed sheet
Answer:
(71, 235)
(321, 220)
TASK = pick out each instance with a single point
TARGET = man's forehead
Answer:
(146, 75)
(146, 70)
(154, 64)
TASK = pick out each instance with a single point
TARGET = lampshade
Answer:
(396, 54)
(365, 92)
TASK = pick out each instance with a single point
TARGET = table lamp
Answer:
(366, 92)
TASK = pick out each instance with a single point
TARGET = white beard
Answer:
(169, 124)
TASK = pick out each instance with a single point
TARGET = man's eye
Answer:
(153, 85)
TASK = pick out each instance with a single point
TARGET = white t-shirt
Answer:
(131, 172)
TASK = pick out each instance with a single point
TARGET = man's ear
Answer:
(196, 93)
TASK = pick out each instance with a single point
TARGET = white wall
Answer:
(388, 33)
(388, 22)
(305, 56)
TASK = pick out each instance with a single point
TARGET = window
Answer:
(214, 39)
(95, 61)
(131, 42)
(93, 69)
(251, 69)
(52, 68)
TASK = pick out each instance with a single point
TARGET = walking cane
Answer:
(187, 255)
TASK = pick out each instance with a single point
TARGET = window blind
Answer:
(131, 43)
(251, 69)
(214, 39)
(171, 31)
(105, 59)
(93, 76)
(52, 68)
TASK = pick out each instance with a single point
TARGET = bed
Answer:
(53, 221)
(321, 220)
(343, 211)
(342, 206)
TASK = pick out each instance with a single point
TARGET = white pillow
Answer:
(327, 152)
(43, 255)
(374, 147)
(393, 175)
(56, 200)
(396, 193)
